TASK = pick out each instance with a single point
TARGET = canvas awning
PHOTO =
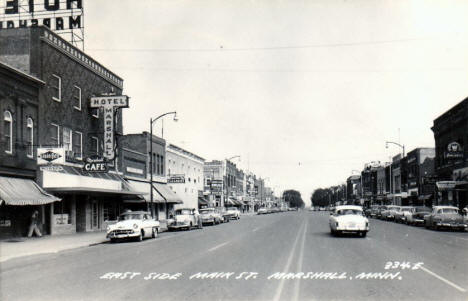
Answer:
(424, 197)
(203, 201)
(19, 192)
(71, 179)
(167, 194)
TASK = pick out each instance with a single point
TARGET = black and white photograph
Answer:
(252, 150)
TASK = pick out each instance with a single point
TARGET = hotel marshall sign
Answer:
(109, 104)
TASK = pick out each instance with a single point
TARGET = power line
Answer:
(272, 48)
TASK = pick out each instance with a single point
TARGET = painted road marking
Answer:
(218, 246)
(297, 286)
(443, 279)
(288, 264)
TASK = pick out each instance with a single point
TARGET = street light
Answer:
(152, 121)
(402, 146)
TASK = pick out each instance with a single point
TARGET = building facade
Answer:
(419, 164)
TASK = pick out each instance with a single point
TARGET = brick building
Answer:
(420, 164)
(20, 196)
(66, 122)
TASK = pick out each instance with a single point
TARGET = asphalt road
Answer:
(285, 256)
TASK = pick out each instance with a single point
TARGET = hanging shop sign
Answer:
(176, 179)
(48, 156)
(454, 151)
(95, 164)
(58, 15)
(109, 105)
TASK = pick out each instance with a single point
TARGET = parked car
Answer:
(348, 219)
(417, 217)
(262, 211)
(133, 224)
(373, 210)
(402, 215)
(225, 215)
(186, 218)
(444, 217)
(389, 212)
(381, 209)
(211, 216)
(233, 212)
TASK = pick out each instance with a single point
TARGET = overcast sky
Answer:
(304, 91)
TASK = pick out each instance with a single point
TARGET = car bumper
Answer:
(451, 225)
(122, 234)
(208, 220)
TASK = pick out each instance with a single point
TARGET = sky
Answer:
(304, 92)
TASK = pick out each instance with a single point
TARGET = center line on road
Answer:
(218, 246)
(297, 284)
(444, 280)
(288, 264)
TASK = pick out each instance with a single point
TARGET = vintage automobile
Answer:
(373, 210)
(186, 218)
(224, 214)
(133, 224)
(348, 219)
(262, 211)
(444, 217)
(380, 210)
(233, 212)
(402, 215)
(211, 216)
(417, 217)
(389, 213)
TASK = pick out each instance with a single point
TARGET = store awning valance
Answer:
(73, 179)
(18, 192)
(167, 194)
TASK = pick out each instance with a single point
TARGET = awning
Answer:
(16, 191)
(424, 197)
(73, 179)
(229, 202)
(167, 194)
(203, 201)
(145, 188)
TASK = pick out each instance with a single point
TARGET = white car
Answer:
(233, 212)
(133, 224)
(348, 219)
(186, 218)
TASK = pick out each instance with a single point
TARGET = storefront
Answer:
(19, 198)
(90, 201)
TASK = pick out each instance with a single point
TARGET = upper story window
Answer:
(56, 85)
(77, 98)
(67, 139)
(30, 137)
(95, 112)
(77, 142)
(94, 145)
(55, 134)
(8, 131)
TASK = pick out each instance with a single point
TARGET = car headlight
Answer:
(135, 226)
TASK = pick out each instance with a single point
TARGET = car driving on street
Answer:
(348, 219)
(133, 224)
(210, 216)
(233, 212)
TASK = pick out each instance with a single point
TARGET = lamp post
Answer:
(152, 121)
(392, 187)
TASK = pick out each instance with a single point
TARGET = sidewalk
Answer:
(24, 246)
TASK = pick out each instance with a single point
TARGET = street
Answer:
(284, 256)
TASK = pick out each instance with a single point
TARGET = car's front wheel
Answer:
(140, 237)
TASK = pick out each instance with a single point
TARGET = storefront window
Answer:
(62, 212)
(110, 211)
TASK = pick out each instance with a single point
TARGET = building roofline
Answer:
(22, 73)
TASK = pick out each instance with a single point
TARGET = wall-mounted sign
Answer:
(454, 151)
(176, 179)
(95, 164)
(446, 185)
(53, 168)
(47, 156)
(109, 104)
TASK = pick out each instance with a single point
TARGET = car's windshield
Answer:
(183, 212)
(450, 211)
(406, 209)
(348, 212)
(232, 208)
(423, 209)
(206, 211)
(125, 217)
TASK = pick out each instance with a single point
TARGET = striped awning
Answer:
(20, 192)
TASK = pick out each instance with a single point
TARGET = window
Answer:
(77, 98)
(30, 137)
(8, 131)
(56, 85)
(94, 145)
(67, 136)
(55, 134)
(77, 145)
(95, 112)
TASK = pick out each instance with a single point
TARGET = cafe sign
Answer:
(95, 164)
(109, 104)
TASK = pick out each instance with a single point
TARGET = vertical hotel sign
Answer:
(109, 105)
